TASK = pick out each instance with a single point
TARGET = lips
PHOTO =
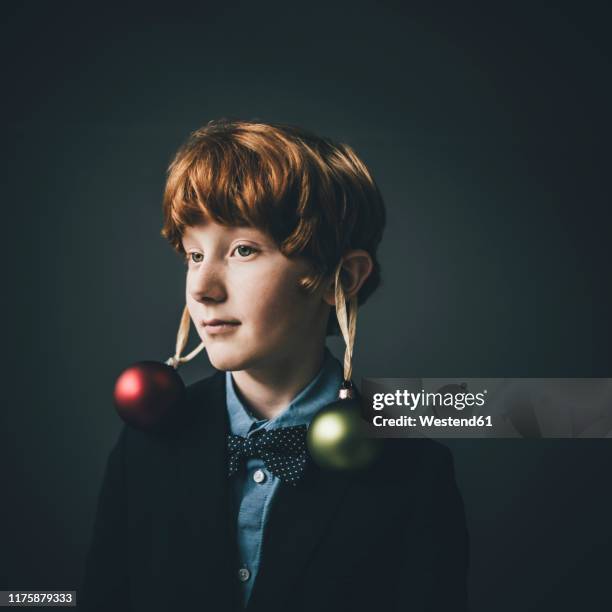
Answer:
(220, 327)
(217, 322)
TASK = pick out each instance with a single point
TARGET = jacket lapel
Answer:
(205, 561)
(297, 520)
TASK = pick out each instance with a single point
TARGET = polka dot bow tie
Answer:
(282, 450)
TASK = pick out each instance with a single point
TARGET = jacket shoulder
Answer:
(202, 388)
(416, 459)
(201, 407)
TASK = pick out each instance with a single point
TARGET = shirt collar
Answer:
(322, 390)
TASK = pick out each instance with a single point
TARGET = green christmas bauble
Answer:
(338, 439)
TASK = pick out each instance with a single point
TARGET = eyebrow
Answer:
(256, 235)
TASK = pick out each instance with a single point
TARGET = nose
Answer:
(207, 283)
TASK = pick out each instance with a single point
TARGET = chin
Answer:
(228, 360)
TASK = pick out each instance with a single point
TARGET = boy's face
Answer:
(238, 274)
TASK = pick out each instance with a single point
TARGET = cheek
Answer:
(276, 304)
(194, 308)
(191, 304)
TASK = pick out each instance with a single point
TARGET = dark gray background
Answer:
(488, 133)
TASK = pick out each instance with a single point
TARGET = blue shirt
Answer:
(253, 485)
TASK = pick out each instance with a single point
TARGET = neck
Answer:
(268, 391)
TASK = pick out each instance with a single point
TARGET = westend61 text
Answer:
(431, 421)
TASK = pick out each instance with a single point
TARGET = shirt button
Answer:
(259, 476)
(243, 574)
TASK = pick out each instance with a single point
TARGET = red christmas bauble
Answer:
(148, 394)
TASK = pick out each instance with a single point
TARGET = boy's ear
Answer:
(357, 265)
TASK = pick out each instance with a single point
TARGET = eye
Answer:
(194, 257)
(244, 250)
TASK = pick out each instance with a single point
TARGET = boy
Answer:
(263, 215)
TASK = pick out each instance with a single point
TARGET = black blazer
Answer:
(391, 537)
